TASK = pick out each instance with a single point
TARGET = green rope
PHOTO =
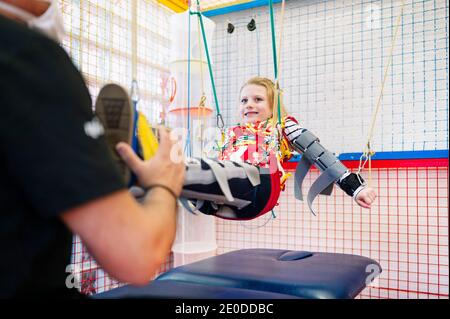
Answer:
(274, 45)
(273, 214)
(275, 64)
(274, 49)
(219, 116)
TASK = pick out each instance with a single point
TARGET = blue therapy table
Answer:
(261, 274)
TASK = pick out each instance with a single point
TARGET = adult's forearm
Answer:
(161, 212)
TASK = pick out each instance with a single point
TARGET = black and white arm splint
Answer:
(313, 153)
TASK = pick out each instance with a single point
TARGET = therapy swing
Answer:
(145, 142)
(273, 183)
(323, 185)
(308, 143)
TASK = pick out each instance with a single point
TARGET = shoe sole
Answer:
(115, 110)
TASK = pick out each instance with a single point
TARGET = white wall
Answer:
(332, 64)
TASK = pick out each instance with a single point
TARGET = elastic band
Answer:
(166, 188)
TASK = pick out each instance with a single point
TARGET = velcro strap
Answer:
(305, 140)
(215, 198)
(221, 178)
(329, 176)
(351, 183)
(300, 172)
(251, 171)
(314, 151)
(327, 159)
(190, 207)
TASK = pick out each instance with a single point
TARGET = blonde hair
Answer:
(270, 89)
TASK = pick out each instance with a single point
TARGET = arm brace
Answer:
(313, 153)
(351, 183)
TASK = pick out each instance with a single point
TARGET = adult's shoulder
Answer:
(31, 60)
(27, 52)
(16, 38)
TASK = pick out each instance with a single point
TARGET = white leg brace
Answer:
(223, 188)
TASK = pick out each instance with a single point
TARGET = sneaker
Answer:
(115, 110)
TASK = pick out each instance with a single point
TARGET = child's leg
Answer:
(226, 189)
(203, 193)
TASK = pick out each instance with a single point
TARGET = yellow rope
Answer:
(368, 152)
(280, 39)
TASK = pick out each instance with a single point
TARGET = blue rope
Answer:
(134, 141)
(187, 147)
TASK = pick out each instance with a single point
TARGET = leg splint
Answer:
(230, 190)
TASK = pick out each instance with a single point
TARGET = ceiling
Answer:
(215, 4)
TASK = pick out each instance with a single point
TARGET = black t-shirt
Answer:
(49, 163)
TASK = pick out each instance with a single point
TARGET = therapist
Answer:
(58, 180)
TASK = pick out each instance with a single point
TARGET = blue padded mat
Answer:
(179, 290)
(301, 274)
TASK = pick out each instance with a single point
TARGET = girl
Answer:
(246, 182)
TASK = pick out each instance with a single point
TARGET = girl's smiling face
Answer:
(254, 104)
